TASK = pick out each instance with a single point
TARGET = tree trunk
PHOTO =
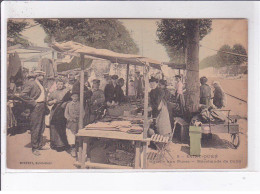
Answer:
(192, 76)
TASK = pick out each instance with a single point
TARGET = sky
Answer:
(143, 31)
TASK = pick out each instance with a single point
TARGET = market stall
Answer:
(138, 125)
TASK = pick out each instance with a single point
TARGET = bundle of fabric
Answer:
(212, 115)
(121, 124)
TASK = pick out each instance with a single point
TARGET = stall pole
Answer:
(146, 122)
(146, 81)
(81, 91)
(127, 79)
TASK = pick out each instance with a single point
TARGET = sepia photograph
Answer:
(99, 93)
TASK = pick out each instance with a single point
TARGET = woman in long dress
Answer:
(58, 136)
(219, 98)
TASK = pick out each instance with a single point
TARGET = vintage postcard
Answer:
(127, 93)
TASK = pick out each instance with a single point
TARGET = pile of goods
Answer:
(134, 127)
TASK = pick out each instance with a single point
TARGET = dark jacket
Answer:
(87, 93)
(156, 96)
(119, 94)
(218, 99)
(205, 94)
(109, 93)
(31, 91)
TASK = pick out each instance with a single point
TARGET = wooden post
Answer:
(146, 85)
(127, 79)
(81, 115)
(146, 121)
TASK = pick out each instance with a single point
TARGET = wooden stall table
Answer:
(84, 136)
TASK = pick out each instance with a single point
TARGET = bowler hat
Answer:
(114, 77)
(163, 82)
(96, 81)
(153, 79)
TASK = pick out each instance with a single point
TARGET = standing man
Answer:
(87, 97)
(35, 95)
(106, 80)
(109, 91)
(205, 92)
(97, 100)
(72, 80)
(138, 83)
(155, 97)
(119, 93)
(179, 93)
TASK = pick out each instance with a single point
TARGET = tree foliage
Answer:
(99, 33)
(224, 57)
(14, 29)
(239, 49)
(172, 33)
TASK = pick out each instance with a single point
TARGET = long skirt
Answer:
(58, 137)
(163, 123)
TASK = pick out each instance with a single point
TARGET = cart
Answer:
(230, 126)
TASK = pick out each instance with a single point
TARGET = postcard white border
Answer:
(155, 179)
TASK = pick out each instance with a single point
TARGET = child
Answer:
(72, 115)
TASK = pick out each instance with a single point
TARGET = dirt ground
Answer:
(216, 153)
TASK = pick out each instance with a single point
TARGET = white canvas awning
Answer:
(74, 47)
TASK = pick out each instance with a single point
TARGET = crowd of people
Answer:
(63, 100)
(62, 97)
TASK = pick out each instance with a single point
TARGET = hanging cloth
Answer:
(14, 68)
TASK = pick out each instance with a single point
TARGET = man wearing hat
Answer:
(109, 91)
(205, 92)
(138, 83)
(72, 80)
(106, 80)
(97, 100)
(87, 97)
(155, 96)
(179, 94)
(35, 95)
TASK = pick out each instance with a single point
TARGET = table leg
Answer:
(83, 155)
(80, 149)
(137, 154)
(144, 155)
(88, 149)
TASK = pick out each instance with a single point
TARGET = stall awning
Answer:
(74, 47)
